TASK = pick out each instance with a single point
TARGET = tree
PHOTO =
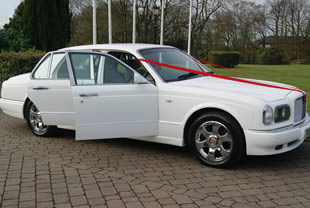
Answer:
(298, 16)
(3, 40)
(238, 25)
(47, 23)
(203, 10)
(12, 36)
(288, 20)
(216, 24)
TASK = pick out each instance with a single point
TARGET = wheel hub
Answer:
(38, 117)
(213, 141)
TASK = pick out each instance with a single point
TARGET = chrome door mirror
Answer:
(138, 79)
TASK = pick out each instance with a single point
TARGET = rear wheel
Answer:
(216, 139)
(35, 122)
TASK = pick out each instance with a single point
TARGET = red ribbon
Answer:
(224, 77)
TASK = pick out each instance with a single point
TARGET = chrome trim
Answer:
(300, 111)
(89, 95)
(40, 88)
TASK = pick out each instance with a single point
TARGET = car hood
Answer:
(236, 88)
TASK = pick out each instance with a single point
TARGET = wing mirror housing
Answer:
(138, 79)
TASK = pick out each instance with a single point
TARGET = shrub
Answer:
(304, 60)
(203, 54)
(269, 56)
(246, 58)
(224, 58)
(12, 64)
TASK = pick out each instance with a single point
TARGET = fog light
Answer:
(278, 147)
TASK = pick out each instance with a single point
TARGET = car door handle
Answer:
(89, 95)
(40, 88)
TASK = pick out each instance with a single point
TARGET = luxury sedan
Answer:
(131, 90)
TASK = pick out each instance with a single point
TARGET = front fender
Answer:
(242, 114)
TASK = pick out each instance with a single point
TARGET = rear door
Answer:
(50, 90)
(110, 99)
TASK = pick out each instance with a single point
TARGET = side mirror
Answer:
(138, 79)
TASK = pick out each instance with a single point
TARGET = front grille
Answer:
(300, 109)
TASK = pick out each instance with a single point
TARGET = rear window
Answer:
(43, 69)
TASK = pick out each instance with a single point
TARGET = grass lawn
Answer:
(296, 75)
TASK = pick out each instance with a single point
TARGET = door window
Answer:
(43, 69)
(91, 69)
(82, 69)
(59, 68)
(116, 73)
(134, 63)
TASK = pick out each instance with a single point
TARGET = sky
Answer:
(8, 7)
(7, 10)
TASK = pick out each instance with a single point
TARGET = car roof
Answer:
(132, 47)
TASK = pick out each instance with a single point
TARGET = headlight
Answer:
(267, 115)
(282, 113)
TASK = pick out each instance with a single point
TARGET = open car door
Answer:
(110, 99)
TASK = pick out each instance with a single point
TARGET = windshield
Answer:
(173, 57)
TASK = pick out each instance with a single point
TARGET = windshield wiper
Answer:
(185, 76)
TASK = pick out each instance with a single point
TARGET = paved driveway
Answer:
(59, 172)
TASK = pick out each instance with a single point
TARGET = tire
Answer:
(36, 124)
(216, 139)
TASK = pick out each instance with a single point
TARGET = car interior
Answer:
(134, 63)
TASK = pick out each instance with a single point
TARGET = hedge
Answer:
(224, 58)
(12, 64)
(203, 54)
(269, 56)
(247, 58)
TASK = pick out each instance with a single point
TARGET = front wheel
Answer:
(216, 139)
(35, 123)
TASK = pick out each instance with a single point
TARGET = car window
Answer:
(43, 69)
(91, 69)
(133, 62)
(173, 57)
(59, 68)
(82, 69)
(115, 72)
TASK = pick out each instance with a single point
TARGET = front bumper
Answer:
(276, 141)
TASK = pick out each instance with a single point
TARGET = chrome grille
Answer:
(300, 109)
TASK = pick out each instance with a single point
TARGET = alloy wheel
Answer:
(36, 120)
(214, 142)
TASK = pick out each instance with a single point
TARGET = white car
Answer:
(104, 91)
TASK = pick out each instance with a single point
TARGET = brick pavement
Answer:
(60, 172)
